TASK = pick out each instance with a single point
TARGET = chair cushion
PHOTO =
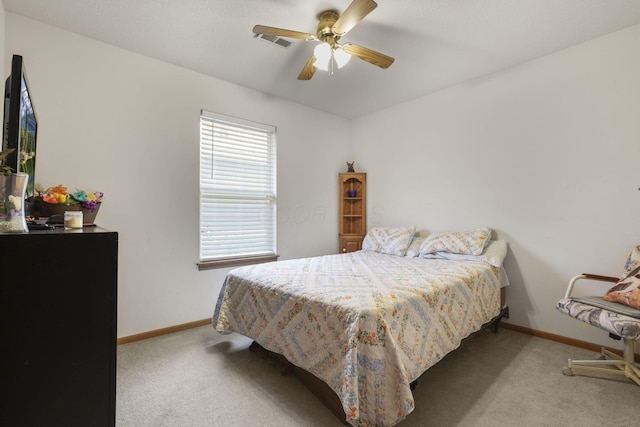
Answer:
(616, 323)
(611, 306)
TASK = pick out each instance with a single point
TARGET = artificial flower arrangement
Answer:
(59, 195)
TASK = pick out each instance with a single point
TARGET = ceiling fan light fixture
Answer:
(322, 52)
(326, 57)
(332, 26)
(341, 57)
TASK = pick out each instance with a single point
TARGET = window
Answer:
(237, 191)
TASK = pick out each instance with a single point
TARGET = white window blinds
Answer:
(237, 188)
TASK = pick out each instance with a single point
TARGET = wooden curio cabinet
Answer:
(353, 211)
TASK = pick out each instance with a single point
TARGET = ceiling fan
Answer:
(332, 26)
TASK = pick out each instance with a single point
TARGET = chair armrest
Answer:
(588, 276)
(601, 278)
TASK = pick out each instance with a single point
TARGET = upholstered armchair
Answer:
(615, 312)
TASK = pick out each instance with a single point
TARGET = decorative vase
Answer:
(12, 206)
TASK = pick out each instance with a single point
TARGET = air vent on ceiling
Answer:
(274, 39)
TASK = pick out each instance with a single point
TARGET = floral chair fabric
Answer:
(615, 323)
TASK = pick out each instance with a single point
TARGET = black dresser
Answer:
(58, 297)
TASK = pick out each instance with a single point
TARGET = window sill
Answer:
(235, 262)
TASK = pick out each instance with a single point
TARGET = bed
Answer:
(367, 324)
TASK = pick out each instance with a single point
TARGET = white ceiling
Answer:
(435, 43)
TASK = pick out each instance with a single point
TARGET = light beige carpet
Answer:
(201, 378)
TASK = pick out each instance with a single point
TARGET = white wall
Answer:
(546, 153)
(118, 122)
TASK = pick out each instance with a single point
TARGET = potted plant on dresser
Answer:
(12, 189)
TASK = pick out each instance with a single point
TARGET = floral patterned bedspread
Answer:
(365, 323)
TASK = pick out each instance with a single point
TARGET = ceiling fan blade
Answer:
(353, 14)
(272, 31)
(371, 56)
(308, 70)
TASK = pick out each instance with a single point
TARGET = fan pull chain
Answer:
(332, 63)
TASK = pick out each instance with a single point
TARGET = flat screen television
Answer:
(20, 123)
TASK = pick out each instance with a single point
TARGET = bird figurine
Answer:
(350, 167)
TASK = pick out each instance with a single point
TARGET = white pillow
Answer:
(494, 254)
(470, 242)
(392, 241)
(414, 248)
